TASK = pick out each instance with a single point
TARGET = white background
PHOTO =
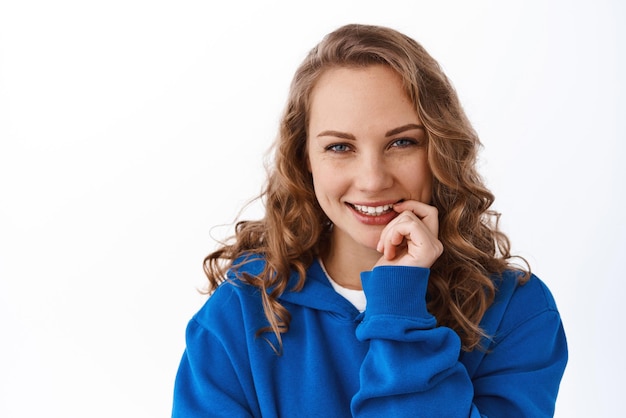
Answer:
(130, 129)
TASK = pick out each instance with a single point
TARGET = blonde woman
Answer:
(377, 283)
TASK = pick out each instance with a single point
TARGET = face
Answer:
(366, 151)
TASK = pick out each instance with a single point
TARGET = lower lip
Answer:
(382, 219)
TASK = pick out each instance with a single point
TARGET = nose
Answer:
(372, 173)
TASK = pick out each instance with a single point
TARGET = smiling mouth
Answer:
(372, 210)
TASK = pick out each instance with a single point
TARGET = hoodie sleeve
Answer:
(206, 383)
(412, 366)
(214, 377)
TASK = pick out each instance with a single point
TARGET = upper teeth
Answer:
(372, 210)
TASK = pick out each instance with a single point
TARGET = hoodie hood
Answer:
(317, 292)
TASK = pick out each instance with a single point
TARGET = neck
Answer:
(344, 264)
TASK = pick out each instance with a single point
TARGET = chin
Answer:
(370, 242)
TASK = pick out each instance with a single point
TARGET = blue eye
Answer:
(338, 148)
(403, 142)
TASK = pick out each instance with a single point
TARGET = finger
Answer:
(394, 240)
(389, 228)
(389, 252)
(397, 232)
(426, 213)
(411, 237)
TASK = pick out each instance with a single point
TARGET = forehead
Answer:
(360, 95)
(358, 78)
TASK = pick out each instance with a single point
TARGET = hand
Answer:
(411, 239)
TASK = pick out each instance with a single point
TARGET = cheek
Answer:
(323, 183)
(329, 185)
(427, 192)
(421, 182)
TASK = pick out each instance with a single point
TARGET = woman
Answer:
(378, 283)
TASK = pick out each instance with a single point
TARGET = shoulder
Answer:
(517, 293)
(246, 264)
(234, 298)
(517, 302)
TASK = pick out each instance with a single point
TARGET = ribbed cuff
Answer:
(397, 291)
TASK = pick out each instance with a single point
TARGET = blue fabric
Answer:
(391, 361)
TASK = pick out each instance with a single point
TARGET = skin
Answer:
(366, 147)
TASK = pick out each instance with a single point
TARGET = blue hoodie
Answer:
(390, 361)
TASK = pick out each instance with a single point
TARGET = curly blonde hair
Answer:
(295, 229)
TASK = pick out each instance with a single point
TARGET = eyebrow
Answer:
(392, 132)
(404, 128)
